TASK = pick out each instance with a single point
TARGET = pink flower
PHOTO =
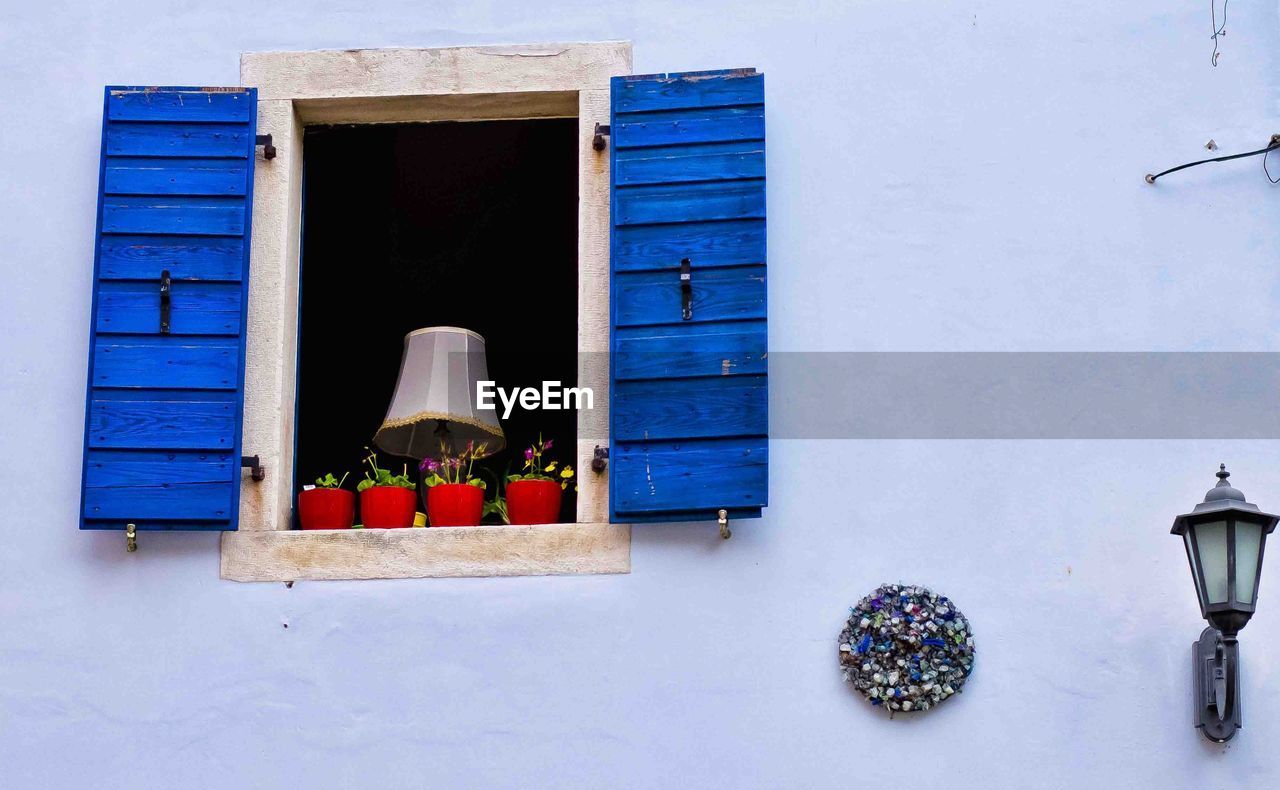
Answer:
(428, 465)
(546, 445)
(528, 454)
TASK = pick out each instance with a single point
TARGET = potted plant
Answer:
(326, 505)
(387, 501)
(533, 496)
(455, 497)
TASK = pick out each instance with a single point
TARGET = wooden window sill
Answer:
(545, 550)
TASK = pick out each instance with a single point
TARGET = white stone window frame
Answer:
(297, 89)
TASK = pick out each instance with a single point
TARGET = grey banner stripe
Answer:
(1040, 395)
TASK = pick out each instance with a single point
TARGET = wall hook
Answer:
(600, 459)
(258, 470)
(602, 131)
(131, 537)
(268, 150)
(723, 516)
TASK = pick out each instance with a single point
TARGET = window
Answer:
(370, 100)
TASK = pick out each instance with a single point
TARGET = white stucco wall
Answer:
(942, 176)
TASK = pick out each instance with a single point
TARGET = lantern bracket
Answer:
(1216, 679)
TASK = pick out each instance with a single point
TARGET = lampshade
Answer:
(435, 396)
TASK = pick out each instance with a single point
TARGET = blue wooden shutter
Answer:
(689, 418)
(162, 425)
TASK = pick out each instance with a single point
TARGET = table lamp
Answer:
(435, 397)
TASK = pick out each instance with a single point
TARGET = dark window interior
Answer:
(415, 225)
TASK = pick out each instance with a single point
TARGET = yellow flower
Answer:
(567, 472)
(551, 467)
(563, 486)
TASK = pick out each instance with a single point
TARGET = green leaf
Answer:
(497, 506)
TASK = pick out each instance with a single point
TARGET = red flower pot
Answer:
(455, 505)
(326, 508)
(533, 501)
(388, 507)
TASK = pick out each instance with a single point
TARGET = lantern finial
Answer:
(1224, 489)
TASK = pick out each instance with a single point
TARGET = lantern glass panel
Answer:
(1211, 539)
(1248, 546)
(1195, 565)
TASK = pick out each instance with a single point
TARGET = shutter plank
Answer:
(689, 126)
(133, 257)
(689, 476)
(165, 362)
(159, 485)
(684, 91)
(170, 421)
(173, 139)
(689, 202)
(203, 216)
(684, 164)
(689, 408)
(645, 247)
(687, 351)
(142, 104)
(143, 176)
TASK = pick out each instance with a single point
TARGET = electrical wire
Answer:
(1271, 146)
(1217, 31)
(1264, 167)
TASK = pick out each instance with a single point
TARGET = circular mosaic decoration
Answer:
(906, 648)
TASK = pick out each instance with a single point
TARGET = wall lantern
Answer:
(1224, 538)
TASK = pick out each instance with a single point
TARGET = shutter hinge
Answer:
(602, 131)
(723, 517)
(131, 537)
(600, 459)
(252, 462)
(268, 150)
